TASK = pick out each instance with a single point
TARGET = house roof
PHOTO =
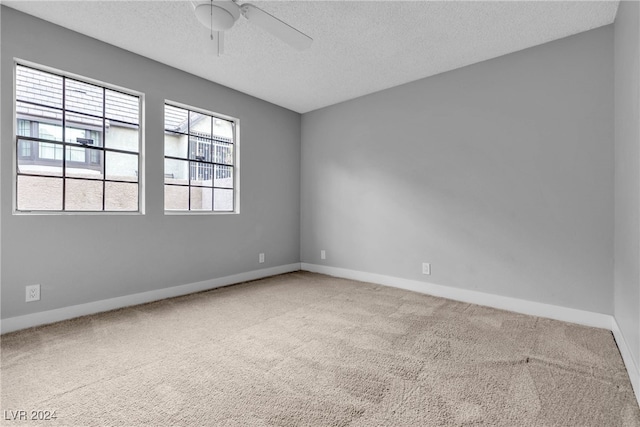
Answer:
(41, 96)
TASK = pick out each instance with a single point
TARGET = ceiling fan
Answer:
(221, 15)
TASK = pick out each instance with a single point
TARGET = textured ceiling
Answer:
(359, 47)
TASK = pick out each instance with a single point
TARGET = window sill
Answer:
(75, 213)
(189, 213)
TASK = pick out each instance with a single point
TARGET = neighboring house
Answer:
(199, 148)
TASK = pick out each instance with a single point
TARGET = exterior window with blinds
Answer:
(200, 151)
(77, 144)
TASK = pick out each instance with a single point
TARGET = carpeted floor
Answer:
(304, 349)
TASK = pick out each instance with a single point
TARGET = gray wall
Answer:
(500, 174)
(83, 258)
(627, 174)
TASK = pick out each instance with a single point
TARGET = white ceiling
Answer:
(360, 47)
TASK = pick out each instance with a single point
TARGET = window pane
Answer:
(35, 193)
(175, 119)
(223, 153)
(83, 195)
(223, 128)
(176, 171)
(85, 162)
(47, 121)
(83, 97)
(200, 149)
(176, 197)
(223, 176)
(121, 167)
(201, 199)
(199, 124)
(121, 137)
(222, 200)
(82, 129)
(201, 174)
(38, 87)
(122, 107)
(30, 160)
(120, 196)
(175, 145)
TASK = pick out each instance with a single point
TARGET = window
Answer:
(77, 144)
(199, 161)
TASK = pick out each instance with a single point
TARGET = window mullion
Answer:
(104, 153)
(189, 155)
(64, 146)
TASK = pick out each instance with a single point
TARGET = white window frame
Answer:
(141, 142)
(236, 159)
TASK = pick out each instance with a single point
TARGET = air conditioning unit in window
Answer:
(84, 141)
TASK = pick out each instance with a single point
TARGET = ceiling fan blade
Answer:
(282, 30)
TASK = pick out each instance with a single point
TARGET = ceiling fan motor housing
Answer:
(220, 16)
(217, 15)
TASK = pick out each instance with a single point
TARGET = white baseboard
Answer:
(627, 358)
(496, 301)
(565, 314)
(22, 322)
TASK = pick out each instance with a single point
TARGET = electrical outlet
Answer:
(261, 258)
(323, 254)
(426, 268)
(33, 293)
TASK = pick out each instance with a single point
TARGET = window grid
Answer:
(205, 157)
(62, 150)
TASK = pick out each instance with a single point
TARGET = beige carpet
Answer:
(304, 349)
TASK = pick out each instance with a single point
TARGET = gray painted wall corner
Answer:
(499, 174)
(627, 175)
